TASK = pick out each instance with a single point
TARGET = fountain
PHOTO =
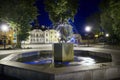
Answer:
(62, 63)
(63, 51)
(40, 65)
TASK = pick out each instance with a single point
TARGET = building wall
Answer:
(39, 36)
(8, 36)
(36, 36)
(53, 38)
(47, 34)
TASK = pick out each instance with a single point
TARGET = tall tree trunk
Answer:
(18, 45)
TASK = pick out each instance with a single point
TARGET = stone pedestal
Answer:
(63, 52)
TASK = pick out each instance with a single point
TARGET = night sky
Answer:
(86, 8)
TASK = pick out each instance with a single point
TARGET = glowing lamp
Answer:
(107, 35)
(87, 28)
(4, 28)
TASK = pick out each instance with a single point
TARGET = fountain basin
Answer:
(23, 71)
(45, 58)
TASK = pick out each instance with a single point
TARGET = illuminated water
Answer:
(45, 59)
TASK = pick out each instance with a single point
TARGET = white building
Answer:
(37, 36)
(53, 37)
(47, 36)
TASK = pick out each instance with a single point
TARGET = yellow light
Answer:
(96, 36)
(10, 35)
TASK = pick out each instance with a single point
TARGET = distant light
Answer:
(58, 34)
(87, 28)
(96, 35)
(107, 35)
(10, 35)
(4, 28)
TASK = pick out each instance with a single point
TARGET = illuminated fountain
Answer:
(45, 58)
(63, 53)
(60, 63)
(66, 32)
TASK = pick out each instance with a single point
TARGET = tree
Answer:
(94, 21)
(110, 18)
(115, 15)
(60, 11)
(106, 19)
(19, 14)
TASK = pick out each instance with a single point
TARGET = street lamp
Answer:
(107, 35)
(88, 29)
(105, 38)
(4, 29)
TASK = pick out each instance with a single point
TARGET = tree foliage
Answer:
(106, 19)
(94, 21)
(61, 10)
(115, 15)
(19, 14)
(110, 17)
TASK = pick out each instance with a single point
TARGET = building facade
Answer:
(7, 37)
(37, 36)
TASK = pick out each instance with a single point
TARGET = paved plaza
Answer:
(49, 47)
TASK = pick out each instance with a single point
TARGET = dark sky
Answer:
(86, 8)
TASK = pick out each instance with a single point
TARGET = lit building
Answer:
(37, 36)
(8, 36)
(47, 34)
(53, 38)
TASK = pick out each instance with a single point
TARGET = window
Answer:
(36, 35)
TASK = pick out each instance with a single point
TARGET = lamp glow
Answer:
(58, 34)
(4, 28)
(87, 28)
(107, 35)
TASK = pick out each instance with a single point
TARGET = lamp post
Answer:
(106, 36)
(4, 29)
(88, 29)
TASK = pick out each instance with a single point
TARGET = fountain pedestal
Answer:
(63, 52)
